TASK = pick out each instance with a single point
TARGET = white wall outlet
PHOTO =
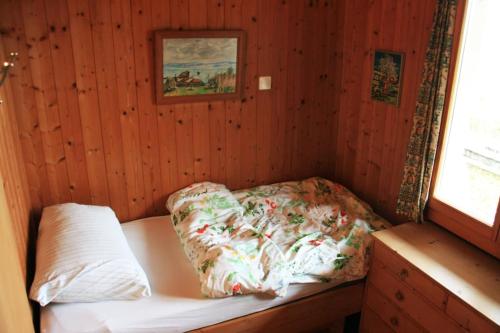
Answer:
(264, 83)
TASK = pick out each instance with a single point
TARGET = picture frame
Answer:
(387, 76)
(198, 65)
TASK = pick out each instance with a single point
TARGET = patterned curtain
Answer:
(421, 150)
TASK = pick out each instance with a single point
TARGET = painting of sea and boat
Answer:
(387, 75)
(198, 65)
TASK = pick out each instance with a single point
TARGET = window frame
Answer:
(483, 236)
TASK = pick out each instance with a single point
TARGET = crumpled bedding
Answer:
(264, 238)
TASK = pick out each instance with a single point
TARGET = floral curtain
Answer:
(421, 150)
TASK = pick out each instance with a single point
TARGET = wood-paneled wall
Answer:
(13, 174)
(369, 145)
(91, 132)
(79, 122)
(15, 315)
(15, 208)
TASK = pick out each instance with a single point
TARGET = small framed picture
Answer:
(387, 76)
(195, 66)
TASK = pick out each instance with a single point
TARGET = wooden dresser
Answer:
(423, 278)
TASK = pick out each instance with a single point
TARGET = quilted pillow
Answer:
(83, 256)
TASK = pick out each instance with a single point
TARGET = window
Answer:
(466, 184)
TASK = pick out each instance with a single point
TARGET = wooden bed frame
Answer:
(323, 311)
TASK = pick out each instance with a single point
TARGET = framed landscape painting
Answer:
(387, 76)
(199, 66)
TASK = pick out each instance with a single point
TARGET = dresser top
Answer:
(459, 267)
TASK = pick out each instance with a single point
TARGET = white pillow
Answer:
(83, 256)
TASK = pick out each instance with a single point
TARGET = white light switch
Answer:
(264, 83)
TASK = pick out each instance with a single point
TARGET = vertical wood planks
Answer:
(355, 74)
(13, 180)
(248, 143)
(201, 121)
(15, 210)
(320, 115)
(371, 137)
(361, 162)
(371, 174)
(14, 39)
(420, 15)
(295, 96)
(217, 114)
(148, 120)
(15, 312)
(81, 39)
(279, 73)
(102, 37)
(161, 12)
(264, 98)
(61, 52)
(179, 19)
(127, 106)
(232, 14)
(39, 55)
(91, 132)
(335, 43)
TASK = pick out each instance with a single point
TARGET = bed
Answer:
(176, 304)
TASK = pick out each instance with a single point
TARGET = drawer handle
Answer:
(394, 321)
(403, 274)
(399, 296)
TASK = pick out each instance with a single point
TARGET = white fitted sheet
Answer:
(176, 304)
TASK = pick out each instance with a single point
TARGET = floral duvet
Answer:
(264, 238)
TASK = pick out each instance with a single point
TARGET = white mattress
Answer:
(176, 304)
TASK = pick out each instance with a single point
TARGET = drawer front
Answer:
(410, 275)
(371, 323)
(410, 302)
(468, 318)
(389, 312)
